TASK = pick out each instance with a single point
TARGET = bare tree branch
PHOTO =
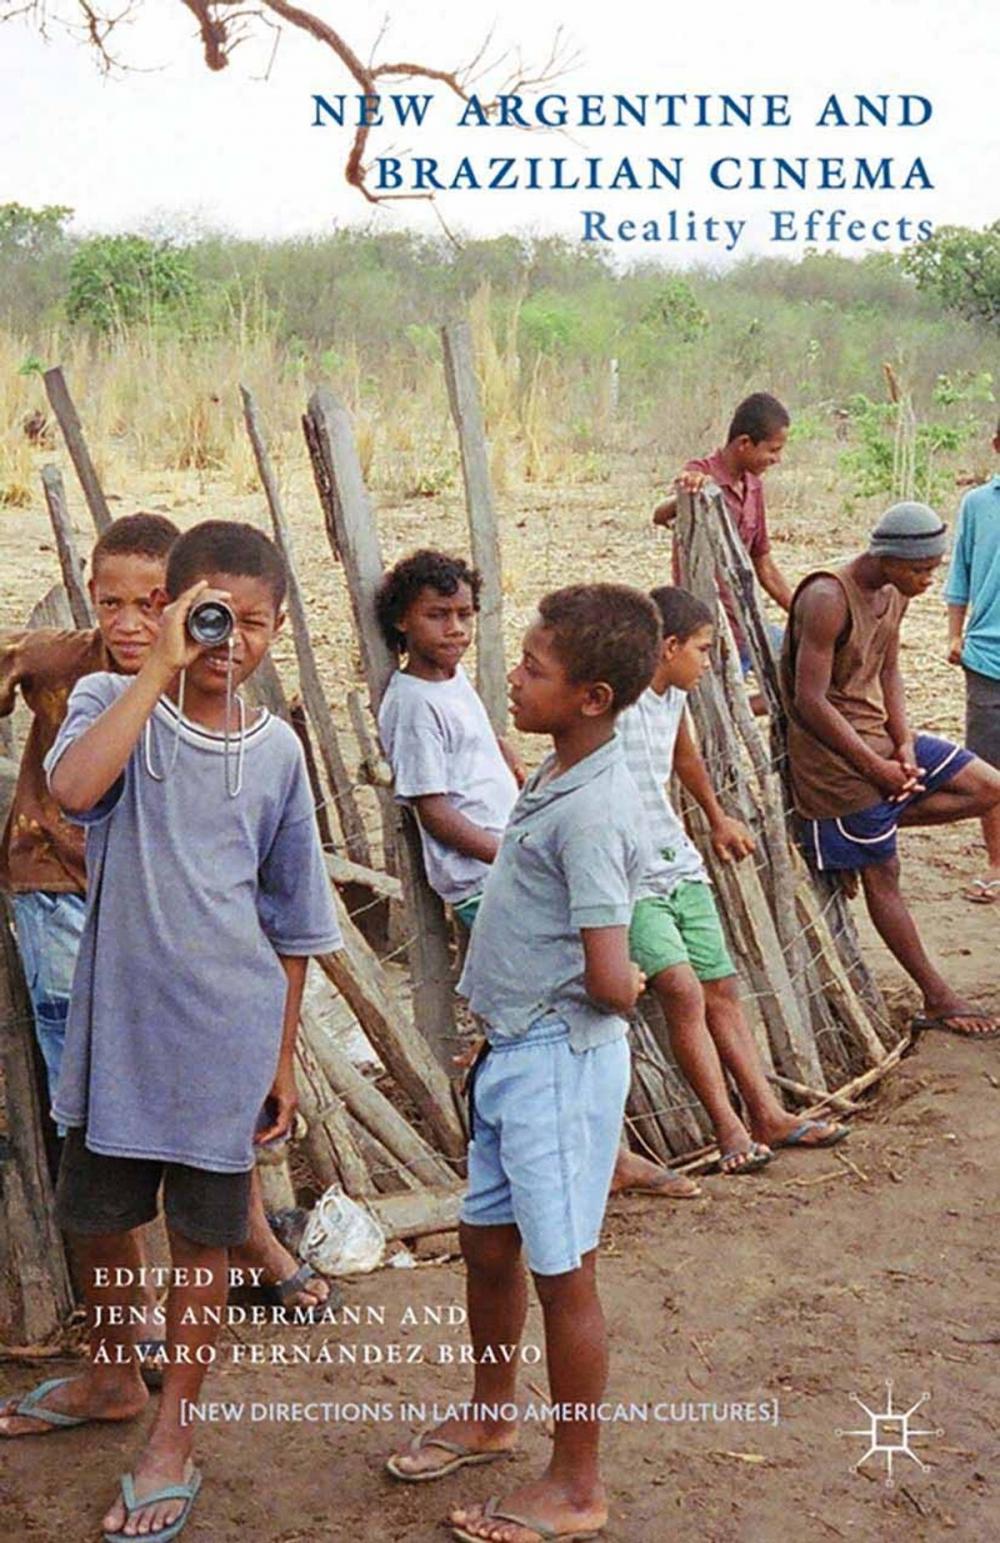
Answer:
(224, 24)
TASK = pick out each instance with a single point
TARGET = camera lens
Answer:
(210, 623)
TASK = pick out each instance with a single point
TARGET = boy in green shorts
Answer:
(676, 938)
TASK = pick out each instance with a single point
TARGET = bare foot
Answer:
(473, 1436)
(543, 1503)
(637, 1175)
(151, 1473)
(79, 1397)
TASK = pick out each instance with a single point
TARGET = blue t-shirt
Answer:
(178, 999)
(571, 858)
(974, 577)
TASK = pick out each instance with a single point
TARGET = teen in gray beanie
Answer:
(910, 531)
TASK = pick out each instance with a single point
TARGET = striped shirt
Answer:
(648, 732)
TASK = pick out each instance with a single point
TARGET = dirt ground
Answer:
(804, 1286)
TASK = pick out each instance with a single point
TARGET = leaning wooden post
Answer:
(463, 394)
(69, 421)
(354, 541)
(69, 557)
(35, 1291)
(355, 837)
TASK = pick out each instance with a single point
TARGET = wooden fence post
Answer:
(69, 421)
(35, 1291)
(338, 777)
(463, 394)
(69, 558)
(798, 956)
(354, 541)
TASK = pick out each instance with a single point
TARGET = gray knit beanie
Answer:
(910, 531)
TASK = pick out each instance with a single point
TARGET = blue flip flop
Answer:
(796, 1137)
(187, 1492)
(30, 1407)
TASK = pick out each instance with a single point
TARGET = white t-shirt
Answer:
(438, 739)
(648, 733)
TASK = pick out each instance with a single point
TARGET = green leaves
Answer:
(118, 281)
(962, 268)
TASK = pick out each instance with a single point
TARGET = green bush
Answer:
(116, 282)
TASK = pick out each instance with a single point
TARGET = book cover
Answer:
(516, 269)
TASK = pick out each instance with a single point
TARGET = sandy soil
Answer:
(741, 1298)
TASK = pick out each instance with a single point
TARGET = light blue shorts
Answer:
(546, 1127)
(49, 928)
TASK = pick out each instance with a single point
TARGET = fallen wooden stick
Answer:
(814, 1095)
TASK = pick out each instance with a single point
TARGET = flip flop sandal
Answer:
(983, 892)
(187, 1492)
(30, 1408)
(757, 1155)
(796, 1137)
(492, 1513)
(463, 1457)
(946, 1023)
(280, 1295)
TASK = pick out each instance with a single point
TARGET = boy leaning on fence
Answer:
(207, 893)
(447, 762)
(549, 977)
(755, 442)
(858, 771)
(676, 936)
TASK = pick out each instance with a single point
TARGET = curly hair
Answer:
(402, 584)
(605, 632)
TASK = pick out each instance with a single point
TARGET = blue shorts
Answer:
(547, 1122)
(868, 836)
(49, 928)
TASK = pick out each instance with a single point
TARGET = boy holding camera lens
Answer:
(207, 893)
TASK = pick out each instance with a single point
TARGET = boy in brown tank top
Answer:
(858, 772)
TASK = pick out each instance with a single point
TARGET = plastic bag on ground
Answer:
(341, 1237)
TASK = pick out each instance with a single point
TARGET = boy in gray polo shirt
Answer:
(548, 975)
(206, 894)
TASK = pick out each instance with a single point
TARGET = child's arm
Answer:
(452, 829)
(730, 838)
(93, 762)
(689, 481)
(773, 580)
(894, 694)
(956, 632)
(957, 585)
(283, 1098)
(610, 977)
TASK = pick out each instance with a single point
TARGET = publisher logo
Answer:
(889, 1433)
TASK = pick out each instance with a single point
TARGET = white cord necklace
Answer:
(234, 784)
